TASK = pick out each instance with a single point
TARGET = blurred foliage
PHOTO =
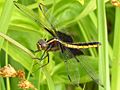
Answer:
(77, 18)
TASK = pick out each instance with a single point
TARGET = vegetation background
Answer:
(84, 20)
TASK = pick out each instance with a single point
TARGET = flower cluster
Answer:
(9, 71)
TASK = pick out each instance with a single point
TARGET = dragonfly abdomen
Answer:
(76, 45)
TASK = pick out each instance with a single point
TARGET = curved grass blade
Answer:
(5, 18)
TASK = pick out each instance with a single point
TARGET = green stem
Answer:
(6, 62)
(116, 53)
(103, 50)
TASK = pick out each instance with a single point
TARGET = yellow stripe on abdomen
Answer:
(80, 46)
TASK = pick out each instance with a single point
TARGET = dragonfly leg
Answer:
(43, 55)
(41, 58)
(47, 60)
(35, 51)
(43, 64)
(46, 51)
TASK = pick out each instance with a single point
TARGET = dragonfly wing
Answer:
(27, 12)
(32, 15)
(49, 17)
(75, 65)
(84, 63)
(72, 71)
(71, 67)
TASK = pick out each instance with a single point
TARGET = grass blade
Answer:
(116, 53)
(103, 50)
(5, 18)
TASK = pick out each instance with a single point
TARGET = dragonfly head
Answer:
(42, 44)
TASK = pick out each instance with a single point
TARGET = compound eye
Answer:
(42, 44)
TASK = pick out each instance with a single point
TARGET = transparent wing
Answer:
(83, 61)
(42, 19)
(71, 67)
(49, 17)
(29, 13)
(49, 14)
(45, 13)
(75, 65)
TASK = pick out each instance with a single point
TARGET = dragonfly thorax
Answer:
(42, 44)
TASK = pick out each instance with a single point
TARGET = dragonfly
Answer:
(65, 44)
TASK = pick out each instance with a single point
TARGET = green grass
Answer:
(103, 51)
(116, 53)
(93, 21)
(4, 24)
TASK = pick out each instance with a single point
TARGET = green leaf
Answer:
(5, 18)
(116, 53)
(103, 50)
